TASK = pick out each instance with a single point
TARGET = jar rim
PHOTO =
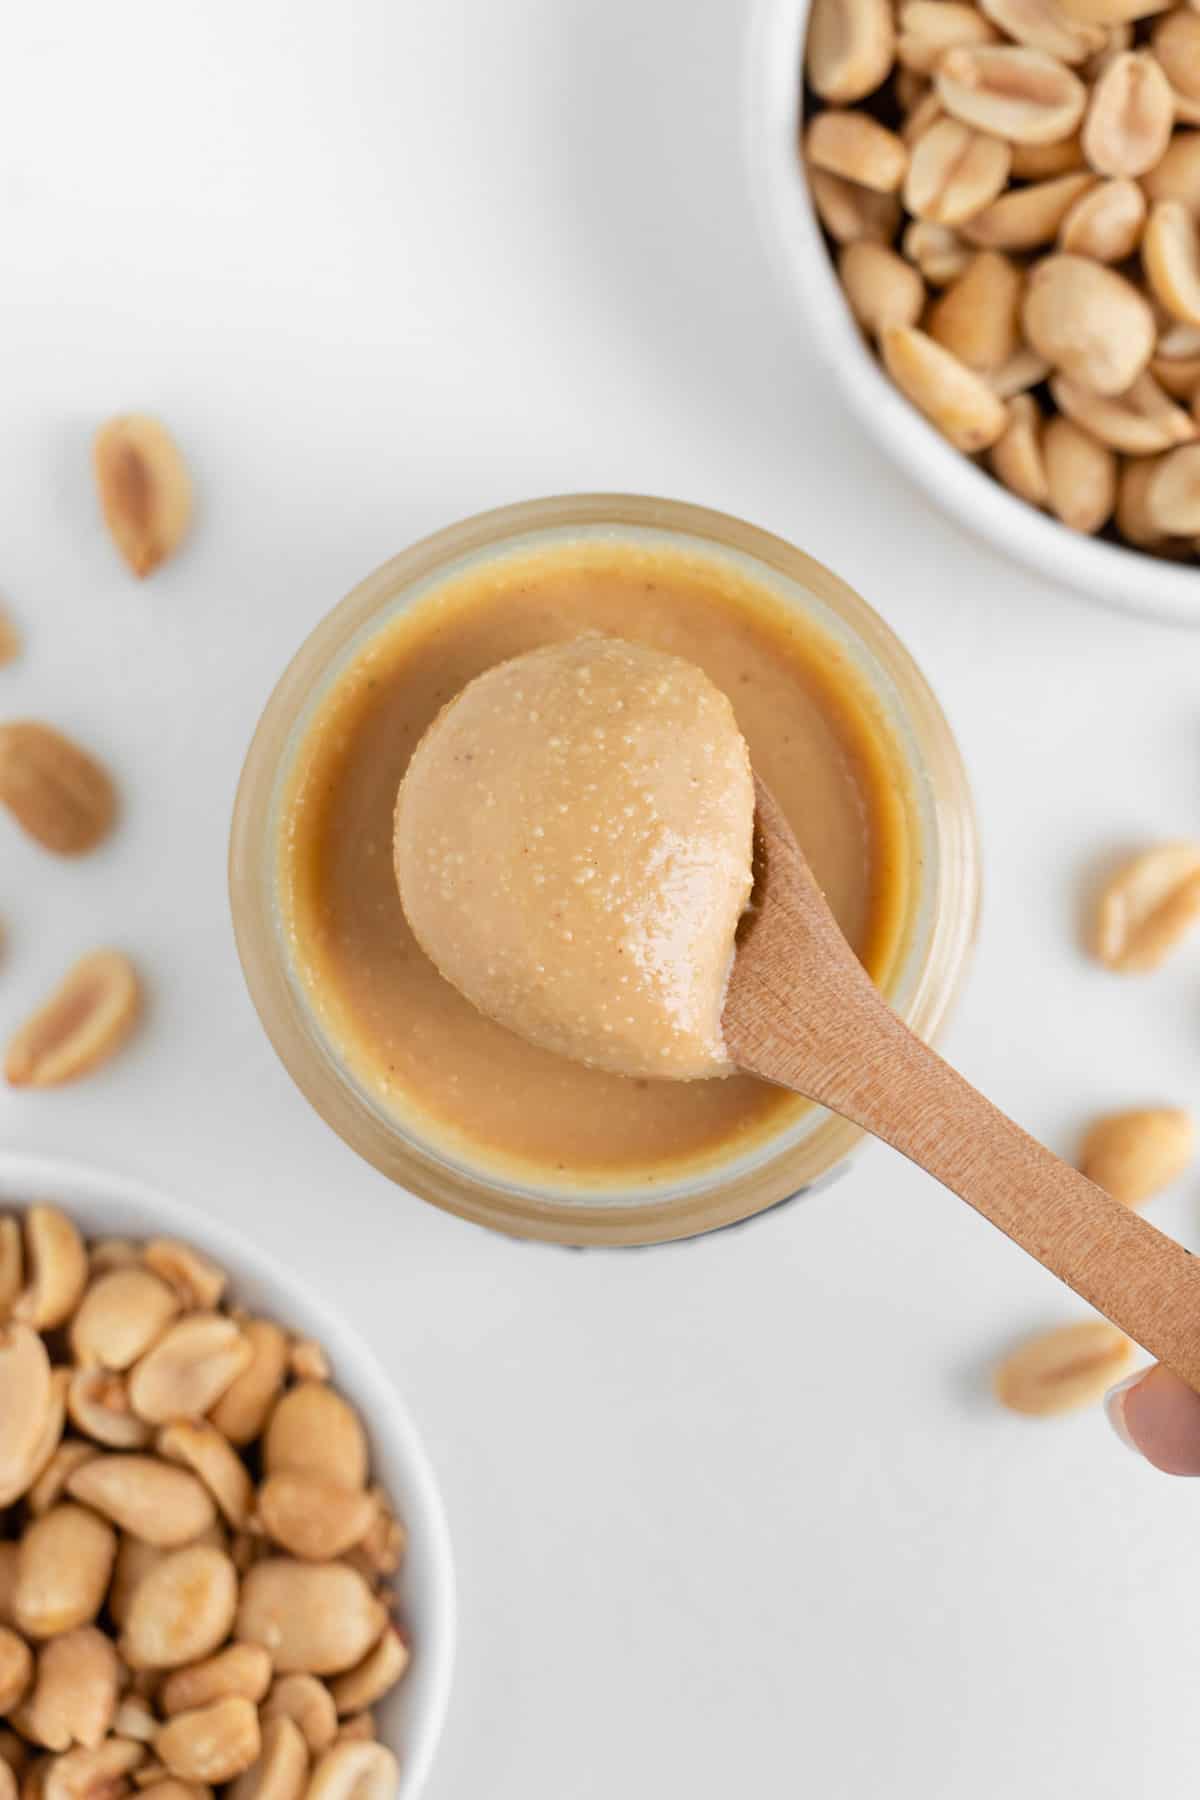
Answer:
(927, 982)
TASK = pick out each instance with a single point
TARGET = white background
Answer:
(737, 1517)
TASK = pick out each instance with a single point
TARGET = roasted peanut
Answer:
(354, 1771)
(1177, 176)
(243, 1409)
(64, 1562)
(196, 1279)
(16, 1669)
(857, 148)
(375, 1676)
(1139, 422)
(135, 1718)
(1147, 907)
(312, 1517)
(978, 317)
(849, 49)
(928, 28)
(181, 1609)
(314, 1431)
(56, 791)
(1064, 1369)
(1020, 95)
(1090, 322)
(99, 1774)
(313, 1618)
(57, 1269)
(952, 397)
(51, 1484)
(1173, 493)
(954, 172)
(122, 1314)
(188, 1369)
(86, 1020)
(936, 251)
(239, 1669)
(211, 1743)
(201, 1448)
(12, 1266)
(1041, 162)
(1016, 458)
(386, 1542)
(98, 1405)
(281, 1772)
(1023, 370)
(1171, 259)
(1042, 25)
(1129, 116)
(849, 212)
(74, 1698)
(307, 1360)
(25, 1400)
(1175, 41)
(1025, 218)
(145, 489)
(1105, 223)
(1081, 476)
(309, 1703)
(1134, 1155)
(160, 1504)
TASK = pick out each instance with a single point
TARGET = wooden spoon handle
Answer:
(1142, 1280)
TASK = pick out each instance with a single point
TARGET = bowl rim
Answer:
(85, 1190)
(772, 109)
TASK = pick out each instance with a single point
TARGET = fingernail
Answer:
(1114, 1407)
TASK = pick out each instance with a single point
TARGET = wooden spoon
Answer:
(802, 1012)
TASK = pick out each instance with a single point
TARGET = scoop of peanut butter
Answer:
(573, 849)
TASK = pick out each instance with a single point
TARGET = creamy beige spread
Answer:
(420, 1051)
(573, 849)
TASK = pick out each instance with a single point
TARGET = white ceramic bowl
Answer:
(1103, 571)
(104, 1205)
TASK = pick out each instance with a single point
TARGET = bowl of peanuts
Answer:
(224, 1561)
(989, 214)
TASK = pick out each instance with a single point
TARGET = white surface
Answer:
(732, 1518)
(1122, 577)
(108, 1205)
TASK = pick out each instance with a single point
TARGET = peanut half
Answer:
(1020, 95)
(88, 1018)
(1081, 476)
(1090, 322)
(56, 791)
(1017, 458)
(313, 1618)
(1061, 1370)
(954, 172)
(145, 489)
(355, 1771)
(309, 1703)
(212, 1743)
(858, 149)
(281, 1770)
(188, 1369)
(850, 48)
(952, 397)
(160, 1504)
(1105, 223)
(315, 1432)
(1129, 117)
(1134, 1155)
(1147, 907)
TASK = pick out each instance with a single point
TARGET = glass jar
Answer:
(943, 849)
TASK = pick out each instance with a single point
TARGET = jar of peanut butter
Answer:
(444, 1100)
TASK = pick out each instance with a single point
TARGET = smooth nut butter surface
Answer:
(574, 847)
(422, 1052)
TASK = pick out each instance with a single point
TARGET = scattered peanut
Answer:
(162, 1505)
(1134, 1155)
(56, 791)
(85, 1022)
(1064, 1369)
(1147, 907)
(313, 1618)
(145, 489)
